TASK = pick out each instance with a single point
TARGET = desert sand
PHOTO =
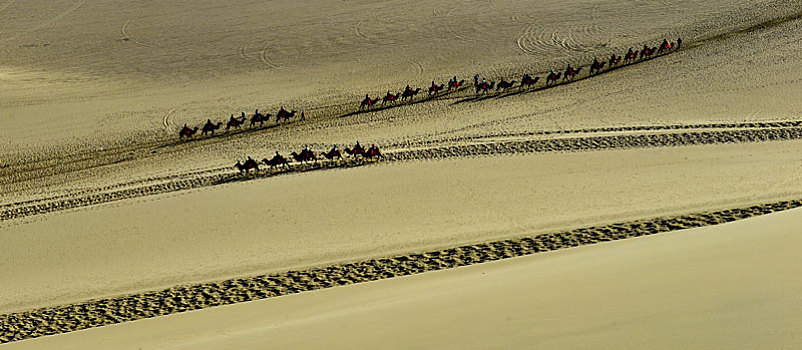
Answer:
(717, 287)
(107, 217)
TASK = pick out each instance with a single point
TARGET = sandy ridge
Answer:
(96, 313)
(337, 110)
(220, 176)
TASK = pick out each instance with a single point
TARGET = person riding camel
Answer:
(596, 61)
(630, 52)
(569, 70)
(613, 58)
(646, 48)
(333, 149)
(552, 72)
(232, 120)
(407, 89)
(664, 45)
(434, 86)
(484, 81)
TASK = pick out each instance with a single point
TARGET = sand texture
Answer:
(103, 312)
(107, 215)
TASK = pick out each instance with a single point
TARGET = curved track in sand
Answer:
(102, 312)
(535, 142)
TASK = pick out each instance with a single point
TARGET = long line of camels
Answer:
(307, 155)
(481, 87)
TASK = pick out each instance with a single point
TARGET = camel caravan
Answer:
(483, 87)
(237, 123)
(308, 156)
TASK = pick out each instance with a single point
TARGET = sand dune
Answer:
(107, 217)
(705, 287)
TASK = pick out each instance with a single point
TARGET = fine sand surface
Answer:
(720, 287)
(318, 218)
(100, 199)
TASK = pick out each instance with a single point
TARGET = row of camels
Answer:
(307, 155)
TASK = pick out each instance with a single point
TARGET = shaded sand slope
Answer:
(728, 286)
(75, 80)
(750, 76)
(316, 218)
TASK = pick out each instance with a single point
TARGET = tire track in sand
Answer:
(52, 22)
(226, 174)
(265, 59)
(101, 312)
(128, 37)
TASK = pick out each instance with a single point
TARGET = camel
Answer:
(276, 161)
(357, 151)
(596, 66)
(282, 113)
(186, 131)
(259, 118)
(333, 154)
(484, 87)
(304, 156)
(572, 73)
(630, 56)
(504, 85)
(453, 84)
(373, 151)
(614, 60)
(235, 123)
(409, 94)
(528, 81)
(390, 98)
(434, 89)
(210, 127)
(553, 77)
(367, 102)
(249, 164)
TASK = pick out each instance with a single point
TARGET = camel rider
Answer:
(569, 70)
(333, 149)
(243, 115)
(596, 61)
(613, 58)
(434, 85)
(552, 72)
(484, 81)
(407, 89)
(664, 45)
(358, 146)
(455, 80)
(232, 120)
(250, 160)
(629, 53)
